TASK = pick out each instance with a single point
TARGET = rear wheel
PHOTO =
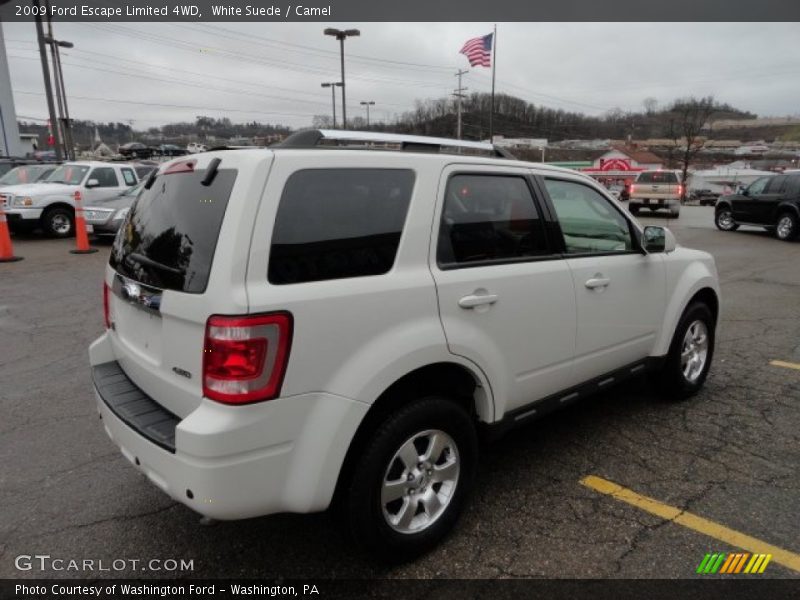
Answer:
(412, 479)
(723, 219)
(58, 222)
(634, 208)
(786, 228)
(686, 366)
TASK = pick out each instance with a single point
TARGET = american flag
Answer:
(479, 51)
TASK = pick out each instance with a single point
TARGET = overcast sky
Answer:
(158, 73)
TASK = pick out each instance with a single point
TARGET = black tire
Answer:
(58, 222)
(787, 226)
(634, 208)
(723, 219)
(673, 383)
(362, 504)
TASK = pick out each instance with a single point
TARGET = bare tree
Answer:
(687, 119)
(650, 105)
(322, 122)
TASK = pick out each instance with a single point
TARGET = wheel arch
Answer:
(452, 379)
(697, 282)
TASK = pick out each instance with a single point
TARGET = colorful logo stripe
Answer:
(733, 563)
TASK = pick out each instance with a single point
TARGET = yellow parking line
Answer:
(687, 519)
(784, 364)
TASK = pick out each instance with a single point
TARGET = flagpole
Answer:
(494, 67)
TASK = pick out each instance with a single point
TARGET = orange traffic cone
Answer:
(6, 250)
(81, 237)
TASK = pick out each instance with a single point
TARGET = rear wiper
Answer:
(149, 262)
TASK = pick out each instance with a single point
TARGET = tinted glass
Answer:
(489, 218)
(776, 184)
(589, 222)
(338, 223)
(70, 174)
(657, 177)
(128, 176)
(106, 177)
(758, 186)
(170, 235)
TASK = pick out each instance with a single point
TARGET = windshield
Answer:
(69, 174)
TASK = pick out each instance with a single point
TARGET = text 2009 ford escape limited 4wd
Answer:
(328, 322)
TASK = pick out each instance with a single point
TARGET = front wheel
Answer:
(786, 228)
(412, 479)
(686, 366)
(58, 222)
(723, 219)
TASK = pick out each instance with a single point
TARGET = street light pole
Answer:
(61, 92)
(342, 35)
(333, 85)
(48, 90)
(368, 104)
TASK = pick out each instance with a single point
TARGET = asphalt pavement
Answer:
(729, 455)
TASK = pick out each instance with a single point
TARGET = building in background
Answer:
(10, 142)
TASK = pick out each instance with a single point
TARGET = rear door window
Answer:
(170, 235)
(129, 177)
(339, 223)
(658, 177)
(489, 218)
(777, 184)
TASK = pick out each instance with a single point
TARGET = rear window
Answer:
(170, 235)
(339, 223)
(657, 177)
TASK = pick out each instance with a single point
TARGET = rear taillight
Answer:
(680, 190)
(106, 307)
(633, 188)
(244, 358)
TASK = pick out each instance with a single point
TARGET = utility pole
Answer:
(368, 104)
(48, 90)
(333, 85)
(459, 94)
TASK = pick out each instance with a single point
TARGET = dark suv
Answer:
(772, 202)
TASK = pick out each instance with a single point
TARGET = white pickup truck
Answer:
(50, 204)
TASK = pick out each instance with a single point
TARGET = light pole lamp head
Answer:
(340, 34)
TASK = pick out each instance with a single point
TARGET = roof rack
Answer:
(360, 140)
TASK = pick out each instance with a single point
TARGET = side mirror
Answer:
(92, 183)
(743, 191)
(656, 240)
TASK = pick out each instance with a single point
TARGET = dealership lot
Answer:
(729, 455)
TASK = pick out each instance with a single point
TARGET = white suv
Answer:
(338, 319)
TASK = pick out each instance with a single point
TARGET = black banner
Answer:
(412, 589)
(403, 11)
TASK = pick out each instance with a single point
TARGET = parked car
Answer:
(27, 174)
(144, 168)
(135, 150)
(170, 150)
(50, 203)
(194, 148)
(704, 197)
(771, 202)
(103, 218)
(655, 190)
(285, 329)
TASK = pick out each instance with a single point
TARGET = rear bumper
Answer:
(235, 462)
(659, 202)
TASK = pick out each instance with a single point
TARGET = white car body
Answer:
(28, 203)
(355, 338)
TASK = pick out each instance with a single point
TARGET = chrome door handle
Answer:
(474, 300)
(597, 282)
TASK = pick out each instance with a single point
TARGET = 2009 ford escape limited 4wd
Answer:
(337, 320)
